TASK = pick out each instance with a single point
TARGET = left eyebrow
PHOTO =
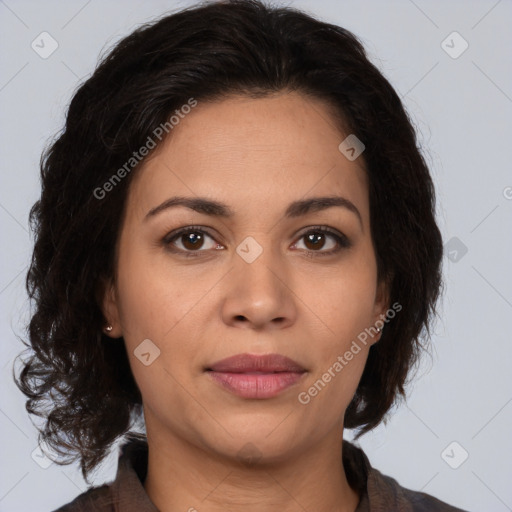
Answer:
(316, 204)
(218, 209)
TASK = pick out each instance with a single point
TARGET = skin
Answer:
(256, 156)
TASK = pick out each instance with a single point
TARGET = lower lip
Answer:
(263, 385)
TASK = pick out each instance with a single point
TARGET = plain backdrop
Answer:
(452, 438)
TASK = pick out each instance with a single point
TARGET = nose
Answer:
(259, 295)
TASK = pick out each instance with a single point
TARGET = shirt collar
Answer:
(128, 493)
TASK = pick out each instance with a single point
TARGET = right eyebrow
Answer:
(198, 204)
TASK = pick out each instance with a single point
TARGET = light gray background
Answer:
(462, 109)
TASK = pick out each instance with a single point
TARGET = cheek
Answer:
(154, 297)
(346, 308)
(324, 398)
(163, 304)
(345, 302)
(157, 307)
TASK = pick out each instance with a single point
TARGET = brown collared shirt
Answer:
(379, 493)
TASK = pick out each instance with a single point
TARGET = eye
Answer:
(192, 239)
(316, 239)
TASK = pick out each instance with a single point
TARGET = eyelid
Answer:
(186, 229)
(341, 239)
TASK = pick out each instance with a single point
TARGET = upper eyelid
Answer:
(204, 229)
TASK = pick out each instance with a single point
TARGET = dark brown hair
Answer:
(80, 381)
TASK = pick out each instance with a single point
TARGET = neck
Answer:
(182, 476)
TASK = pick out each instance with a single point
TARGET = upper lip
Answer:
(242, 363)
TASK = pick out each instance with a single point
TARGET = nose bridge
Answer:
(257, 291)
(257, 264)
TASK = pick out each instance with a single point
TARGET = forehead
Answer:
(255, 155)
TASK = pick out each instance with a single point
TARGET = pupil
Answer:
(314, 236)
(193, 239)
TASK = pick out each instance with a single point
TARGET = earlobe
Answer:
(109, 307)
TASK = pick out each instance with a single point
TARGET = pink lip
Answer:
(256, 376)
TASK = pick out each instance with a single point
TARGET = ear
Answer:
(109, 306)
(381, 306)
(382, 298)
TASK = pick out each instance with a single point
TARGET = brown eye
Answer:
(190, 240)
(323, 241)
(315, 241)
(193, 240)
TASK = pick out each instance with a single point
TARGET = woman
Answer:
(236, 245)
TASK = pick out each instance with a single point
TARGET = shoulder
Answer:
(125, 490)
(387, 493)
(96, 498)
(380, 492)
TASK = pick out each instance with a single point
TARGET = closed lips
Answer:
(256, 377)
(256, 364)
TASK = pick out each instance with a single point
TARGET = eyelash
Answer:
(342, 240)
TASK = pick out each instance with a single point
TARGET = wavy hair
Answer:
(78, 380)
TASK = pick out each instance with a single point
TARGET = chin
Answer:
(265, 439)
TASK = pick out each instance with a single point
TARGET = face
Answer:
(255, 275)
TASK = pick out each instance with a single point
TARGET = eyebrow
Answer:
(218, 209)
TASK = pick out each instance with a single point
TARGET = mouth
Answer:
(256, 376)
